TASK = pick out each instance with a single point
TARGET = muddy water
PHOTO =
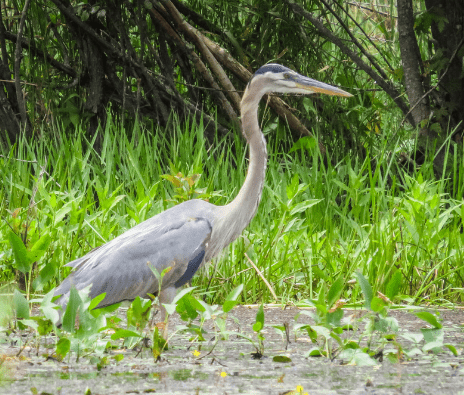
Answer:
(231, 368)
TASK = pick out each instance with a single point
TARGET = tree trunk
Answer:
(448, 33)
(412, 62)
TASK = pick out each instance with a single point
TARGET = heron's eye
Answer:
(287, 76)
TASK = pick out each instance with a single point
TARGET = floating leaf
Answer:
(282, 359)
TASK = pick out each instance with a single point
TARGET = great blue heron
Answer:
(189, 234)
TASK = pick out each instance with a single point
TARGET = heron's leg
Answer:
(166, 296)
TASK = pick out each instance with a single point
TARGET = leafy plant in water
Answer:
(327, 319)
(432, 338)
(329, 324)
(257, 327)
(83, 337)
(189, 308)
(378, 321)
(24, 257)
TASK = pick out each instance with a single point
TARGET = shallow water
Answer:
(179, 372)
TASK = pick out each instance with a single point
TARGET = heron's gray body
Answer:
(191, 233)
(121, 267)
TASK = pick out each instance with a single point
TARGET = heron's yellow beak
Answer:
(315, 86)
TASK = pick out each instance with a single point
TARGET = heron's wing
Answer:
(79, 261)
(123, 267)
(191, 269)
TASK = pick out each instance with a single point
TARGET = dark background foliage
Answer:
(64, 61)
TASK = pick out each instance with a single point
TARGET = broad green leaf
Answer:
(45, 275)
(303, 206)
(337, 338)
(280, 328)
(21, 305)
(30, 323)
(63, 346)
(197, 304)
(69, 316)
(321, 331)
(394, 285)
(377, 304)
(363, 359)
(61, 213)
(135, 310)
(229, 305)
(234, 294)
(170, 308)
(96, 300)
(305, 143)
(311, 332)
(322, 295)
(123, 334)
(259, 324)
(292, 188)
(413, 337)
(334, 318)
(386, 325)
(231, 299)
(49, 308)
(186, 309)
(430, 318)
(432, 335)
(39, 248)
(22, 262)
(366, 290)
(351, 344)
(433, 346)
(182, 293)
(44, 326)
(335, 291)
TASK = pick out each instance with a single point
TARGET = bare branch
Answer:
(386, 85)
(438, 82)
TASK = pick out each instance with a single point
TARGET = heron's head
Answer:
(276, 78)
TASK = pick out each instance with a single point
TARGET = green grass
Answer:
(316, 221)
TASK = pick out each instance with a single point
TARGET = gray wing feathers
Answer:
(121, 267)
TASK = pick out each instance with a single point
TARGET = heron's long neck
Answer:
(235, 216)
(245, 204)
